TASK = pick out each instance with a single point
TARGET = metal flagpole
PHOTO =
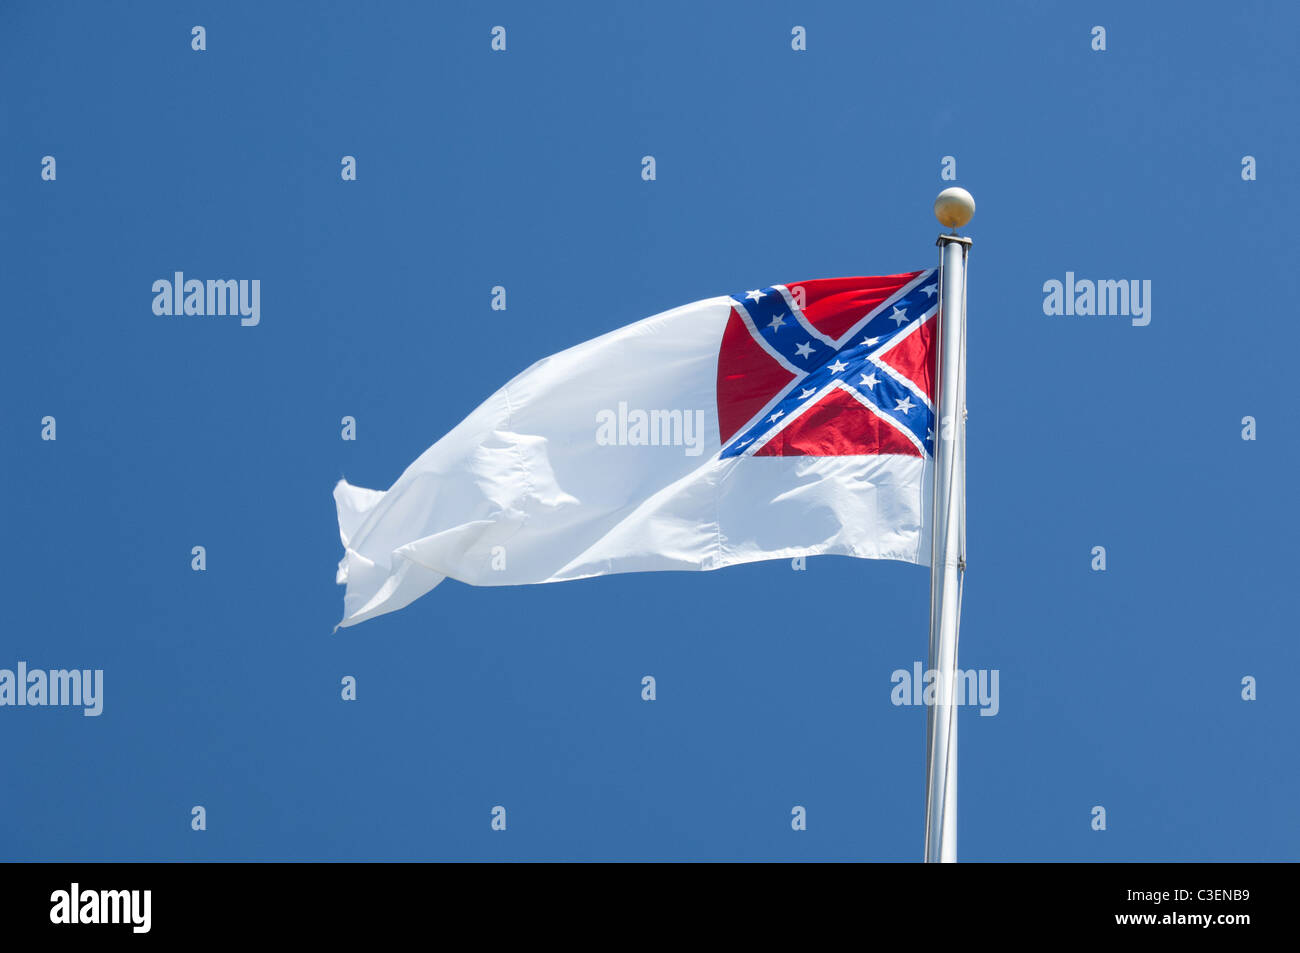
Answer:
(954, 208)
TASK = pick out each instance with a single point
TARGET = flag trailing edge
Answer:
(791, 420)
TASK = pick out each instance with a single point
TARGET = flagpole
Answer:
(954, 208)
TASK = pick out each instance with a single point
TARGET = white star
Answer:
(905, 405)
(838, 366)
(777, 322)
(871, 342)
(754, 295)
(870, 380)
(776, 416)
(743, 442)
(929, 434)
(899, 316)
(807, 392)
(929, 290)
(803, 350)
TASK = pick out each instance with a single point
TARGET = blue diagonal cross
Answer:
(854, 362)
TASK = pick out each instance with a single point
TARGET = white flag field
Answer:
(791, 420)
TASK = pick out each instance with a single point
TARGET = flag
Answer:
(791, 420)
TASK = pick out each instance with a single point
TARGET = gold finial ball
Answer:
(954, 207)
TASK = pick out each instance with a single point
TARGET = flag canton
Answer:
(831, 367)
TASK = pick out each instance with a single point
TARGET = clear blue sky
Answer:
(522, 169)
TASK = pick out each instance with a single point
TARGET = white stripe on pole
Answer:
(948, 557)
